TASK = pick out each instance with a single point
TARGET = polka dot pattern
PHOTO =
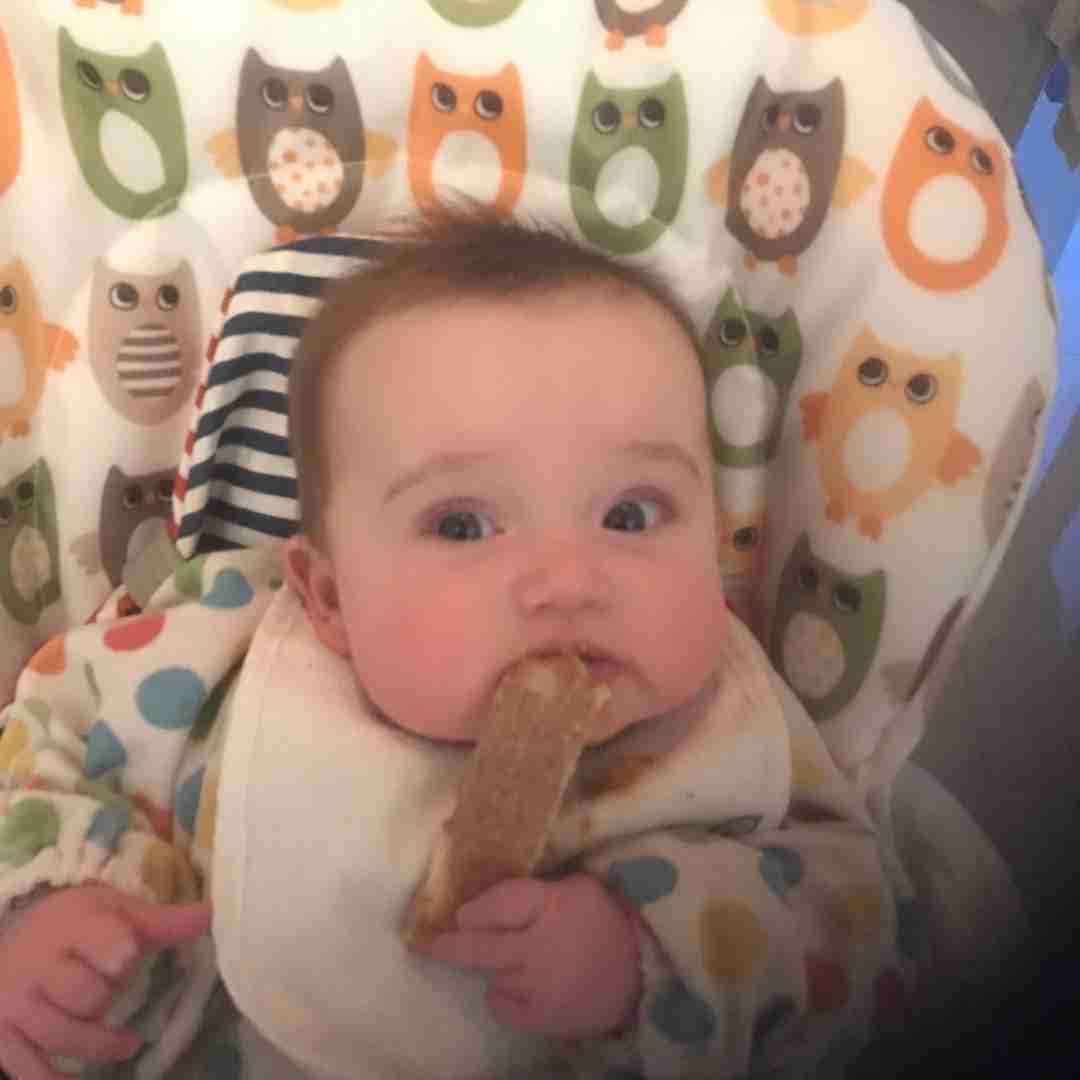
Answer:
(827, 985)
(859, 911)
(27, 828)
(643, 880)
(188, 577)
(680, 1015)
(167, 873)
(781, 868)
(104, 751)
(13, 743)
(130, 635)
(187, 801)
(109, 824)
(230, 590)
(51, 658)
(734, 943)
(170, 698)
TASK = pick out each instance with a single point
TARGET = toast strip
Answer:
(512, 787)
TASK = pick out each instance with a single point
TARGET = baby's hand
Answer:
(63, 963)
(562, 956)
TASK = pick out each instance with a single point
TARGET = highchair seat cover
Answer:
(818, 182)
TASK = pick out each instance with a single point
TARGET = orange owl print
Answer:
(10, 124)
(886, 432)
(467, 136)
(128, 7)
(809, 18)
(943, 207)
(29, 347)
(741, 540)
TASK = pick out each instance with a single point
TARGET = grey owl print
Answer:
(29, 544)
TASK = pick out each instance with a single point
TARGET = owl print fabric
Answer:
(817, 180)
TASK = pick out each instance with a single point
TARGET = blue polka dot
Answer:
(643, 880)
(171, 698)
(109, 824)
(104, 751)
(680, 1015)
(230, 590)
(224, 1062)
(781, 868)
(187, 800)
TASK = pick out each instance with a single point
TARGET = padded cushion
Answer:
(819, 183)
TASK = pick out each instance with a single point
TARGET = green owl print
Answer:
(751, 361)
(826, 630)
(30, 542)
(126, 127)
(628, 163)
(475, 12)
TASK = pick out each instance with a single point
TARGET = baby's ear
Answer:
(311, 576)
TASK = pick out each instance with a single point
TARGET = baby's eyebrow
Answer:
(448, 461)
(663, 452)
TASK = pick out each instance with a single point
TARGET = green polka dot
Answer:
(188, 577)
(31, 825)
(37, 708)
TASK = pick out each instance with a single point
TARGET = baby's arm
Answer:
(65, 960)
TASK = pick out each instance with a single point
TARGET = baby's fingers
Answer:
(474, 950)
(22, 1059)
(85, 1040)
(77, 989)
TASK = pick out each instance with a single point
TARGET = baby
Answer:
(502, 452)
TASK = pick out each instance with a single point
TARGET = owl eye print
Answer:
(628, 163)
(145, 336)
(786, 171)
(647, 19)
(128, 7)
(742, 559)
(942, 174)
(30, 347)
(29, 544)
(467, 136)
(475, 12)
(10, 123)
(133, 512)
(886, 432)
(751, 362)
(826, 630)
(125, 125)
(809, 18)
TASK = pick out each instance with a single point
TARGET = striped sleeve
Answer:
(236, 485)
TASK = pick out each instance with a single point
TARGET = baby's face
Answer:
(517, 477)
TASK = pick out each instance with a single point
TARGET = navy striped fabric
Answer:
(236, 486)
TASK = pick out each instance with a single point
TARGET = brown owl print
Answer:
(301, 142)
(886, 432)
(943, 208)
(786, 171)
(29, 348)
(144, 340)
(133, 514)
(128, 7)
(648, 19)
(467, 135)
(809, 18)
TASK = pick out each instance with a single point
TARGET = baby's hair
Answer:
(469, 255)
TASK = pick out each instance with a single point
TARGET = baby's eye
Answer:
(634, 515)
(458, 525)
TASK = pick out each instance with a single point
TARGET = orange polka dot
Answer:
(289, 157)
(51, 658)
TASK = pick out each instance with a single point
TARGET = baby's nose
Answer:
(563, 577)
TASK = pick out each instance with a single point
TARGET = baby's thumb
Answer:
(167, 924)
